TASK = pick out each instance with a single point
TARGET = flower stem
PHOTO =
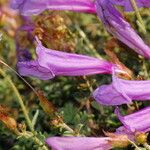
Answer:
(6, 65)
(34, 139)
(140, 21)
(145, 69)
(146, 146)
(134, 145)
(87, 41)
(91, 90)
(65, 126)
(29, 123)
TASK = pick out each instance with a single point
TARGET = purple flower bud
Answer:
(56, 63)
(79, 143)
(136, 122)
(128, 6)
(119, 28)
(34, 7)
(122, 91)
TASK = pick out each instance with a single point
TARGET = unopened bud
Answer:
(9, 122)
(45, 103)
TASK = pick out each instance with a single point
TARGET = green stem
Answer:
(88, 84)
(145, 69)
(101, 109)
(6, 65)
(37, 141)
(29, 123)
(140, 21)
(65, 126)
(134, 145)
(87, 41)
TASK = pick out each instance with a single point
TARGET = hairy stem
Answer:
(6, 65)
(36, 140)
(65, 126)
(29, 123)
(87, 41)
(146, 146)
(140, 21)
(134, 145)
(91, 90)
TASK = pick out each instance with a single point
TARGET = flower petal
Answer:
(78, 143)
(32, 68)
(119, 28)
(122, 91)
(138, 121)
(34, 7)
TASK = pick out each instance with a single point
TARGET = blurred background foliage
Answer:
(70, 97)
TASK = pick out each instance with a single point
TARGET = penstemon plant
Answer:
(62, 97)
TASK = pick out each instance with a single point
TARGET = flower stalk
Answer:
(146, 146)
(29, 123)
(140, 20)
(88, 42)
(34, 139)
(134, 145)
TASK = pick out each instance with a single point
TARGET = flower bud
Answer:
(45, 103)
(9, 122)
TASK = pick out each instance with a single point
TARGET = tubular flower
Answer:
(79, 143)
(34, 7)
(128, 6)
(122, 91)
(119, 28)
(89, 143)
(136, 122)
(51, 63)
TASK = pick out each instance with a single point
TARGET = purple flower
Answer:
(34, 7)
(122, 91)
(51, 63)
(112, 140)
(78, 143)
(128, 6)
(32, 68)
(136, 122)
(119, 28)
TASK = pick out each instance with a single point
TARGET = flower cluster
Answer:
(50, 63)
